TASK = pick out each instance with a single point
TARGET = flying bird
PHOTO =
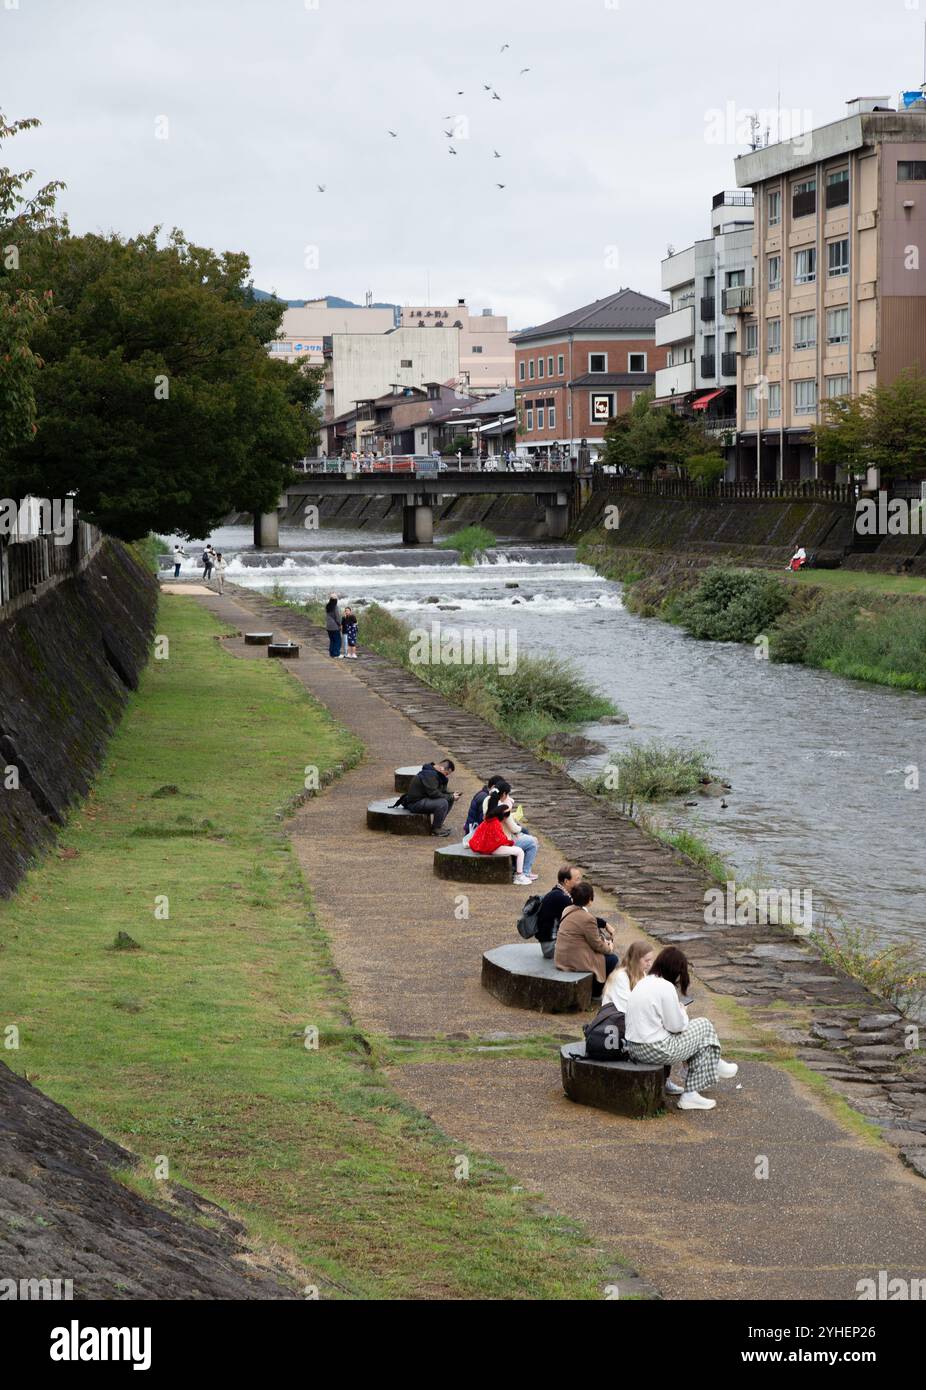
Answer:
(523, 71)
(321, 187)
(394, 134)
(495, 96)
(451, 149)
(486, 88)
(496, 153)
(503, 47)
(501, 185)
(461, 94)
(449, 134)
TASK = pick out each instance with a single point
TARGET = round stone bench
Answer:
(519, 976)
(395, 820)
(403, 778)
(634, 1089)
(463, 865)
(287, 651)
(258, 639)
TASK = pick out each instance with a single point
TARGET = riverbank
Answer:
(869, 627)
(192, 1043)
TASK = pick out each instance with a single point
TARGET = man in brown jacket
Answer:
(583, 945)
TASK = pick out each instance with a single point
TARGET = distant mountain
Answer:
(332, 300)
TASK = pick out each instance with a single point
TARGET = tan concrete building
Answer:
(303, 331)
(365, 366)
(485, 349)
(838, 298)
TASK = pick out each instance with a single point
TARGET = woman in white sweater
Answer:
(658, 1030)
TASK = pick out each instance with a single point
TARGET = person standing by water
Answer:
(333, 626)
(349, 632)
(220, 566)
(179, 557)
(207, 563)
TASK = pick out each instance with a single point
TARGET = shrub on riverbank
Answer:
(469, 542)
(891, 972)
(866, 639)
(730, 605)
(653, 771)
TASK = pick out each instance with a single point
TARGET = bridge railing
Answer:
(811, 489)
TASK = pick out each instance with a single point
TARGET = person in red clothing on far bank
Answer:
(490, 837)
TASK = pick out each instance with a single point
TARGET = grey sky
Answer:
(608, 150)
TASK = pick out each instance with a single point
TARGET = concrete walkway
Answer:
(677, 1198)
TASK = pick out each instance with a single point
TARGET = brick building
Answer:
(576, 372)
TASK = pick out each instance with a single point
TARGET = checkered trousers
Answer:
(698, 1045)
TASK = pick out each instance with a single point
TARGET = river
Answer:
(818, 764)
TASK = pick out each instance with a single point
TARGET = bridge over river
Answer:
(561, 495)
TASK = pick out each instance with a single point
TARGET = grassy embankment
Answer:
(193, 1046)
(470, 542)
(539, 697)
(869, 627)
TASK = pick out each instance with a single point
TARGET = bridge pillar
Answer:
(417, 524)
(556, 505)
(266, 529)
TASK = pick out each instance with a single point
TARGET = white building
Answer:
(485, 348)
(365, 366)
(303, 331)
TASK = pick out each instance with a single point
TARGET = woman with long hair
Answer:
(333, 625)
(658, 1030)
(637, 962)
(489, 837)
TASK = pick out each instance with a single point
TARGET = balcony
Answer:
(675, 328)
(728, 364)
(676, 381)
(739, 300)
(708, 365)
(708, 308)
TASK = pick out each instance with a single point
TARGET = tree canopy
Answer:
(644, 439)
(884, 428)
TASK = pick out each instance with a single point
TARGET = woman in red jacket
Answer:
(490, 837)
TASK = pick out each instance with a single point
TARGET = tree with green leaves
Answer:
(158, 404)
(644, 439)
(884, 428)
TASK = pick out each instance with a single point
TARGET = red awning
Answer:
(704, 401)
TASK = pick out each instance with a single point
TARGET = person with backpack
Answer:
(637, 962)
(552, 906)
(659, 1032)
(207, 562)
(585, 943)
(476, 812)
(429, 795)
(489, 837)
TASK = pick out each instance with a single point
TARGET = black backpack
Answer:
(604, 1036)
(527, 922)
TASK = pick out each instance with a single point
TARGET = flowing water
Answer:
(818, 764)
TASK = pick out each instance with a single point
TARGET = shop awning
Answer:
(704, 401)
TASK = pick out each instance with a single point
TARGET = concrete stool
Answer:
(395, 820)
(258, 639)
(403, 778)
(634, 1089)
(287, 651)
(519, 976)
(463, 865)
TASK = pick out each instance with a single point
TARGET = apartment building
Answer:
(576, 372)
(700, 374)
(838, 303)
(485, 348)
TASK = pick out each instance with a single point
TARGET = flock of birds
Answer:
(487, 87)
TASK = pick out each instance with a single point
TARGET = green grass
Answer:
(470, 541)
(853, 580)
(698, 851)
(193, 1047)
(652, 771)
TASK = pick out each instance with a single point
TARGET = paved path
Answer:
(677, 1198)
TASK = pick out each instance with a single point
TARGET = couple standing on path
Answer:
(341, 629)
(211, 560)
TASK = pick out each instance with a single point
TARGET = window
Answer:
(478, 347)
(597, 362)
(911, 170)
(804, 198)
(774, 273)
(837, 325)
(551, 417)
(837, 257)
(752, 339)
(774, 398)
(752, 403)
(521, 370)
(540, 418)
(530, 420)
(405, 362)
(837, 386)
(530, 370)
(540, 366)
(560, 365)
(774, 337)
(774, 207)
(636, 362)
(805, 397)
(735, 278)
(837, 188)
(549, 366)
(805, 331)
(805, 266)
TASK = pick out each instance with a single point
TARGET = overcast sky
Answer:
(611, 146)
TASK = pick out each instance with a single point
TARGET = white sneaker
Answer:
(673, 1090)
(693, 1100)
(726, 1069)
(522, 880)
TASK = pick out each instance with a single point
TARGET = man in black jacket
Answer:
(552, 906)
(428, 794)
